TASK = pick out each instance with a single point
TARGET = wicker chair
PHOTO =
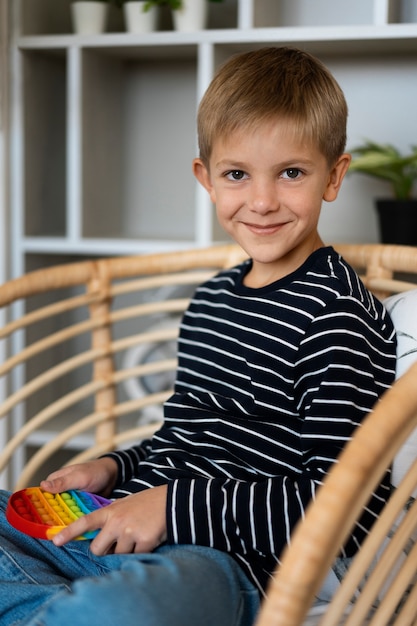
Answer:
(90, 362)
(72, 372)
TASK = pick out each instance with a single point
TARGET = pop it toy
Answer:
(42, 514)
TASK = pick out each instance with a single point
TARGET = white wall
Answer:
(381, 94)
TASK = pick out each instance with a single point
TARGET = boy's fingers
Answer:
(58, 481)
(80, 527)
(69, 478)
(53, 486)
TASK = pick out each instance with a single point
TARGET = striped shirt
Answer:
(271, 384)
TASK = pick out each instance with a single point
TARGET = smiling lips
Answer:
(264, 230)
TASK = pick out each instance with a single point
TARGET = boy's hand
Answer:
(134, 524)
(98, 476)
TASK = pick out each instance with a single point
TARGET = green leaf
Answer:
(385, 162)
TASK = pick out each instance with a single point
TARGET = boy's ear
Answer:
(336, 176)
(202, 174)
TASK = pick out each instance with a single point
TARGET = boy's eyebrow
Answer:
(290, 162)
(229, 162)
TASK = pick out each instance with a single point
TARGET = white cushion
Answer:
(403, 311)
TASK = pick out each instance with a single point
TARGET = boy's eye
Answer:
(291, 172)
(236, 175)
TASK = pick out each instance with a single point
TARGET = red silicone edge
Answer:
(39, 531)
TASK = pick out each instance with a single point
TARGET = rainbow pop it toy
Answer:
(42, 514)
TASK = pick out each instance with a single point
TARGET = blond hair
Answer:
(273, 83)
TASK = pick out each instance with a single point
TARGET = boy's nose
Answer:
(263, 197)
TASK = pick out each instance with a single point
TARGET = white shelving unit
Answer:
(103, 127)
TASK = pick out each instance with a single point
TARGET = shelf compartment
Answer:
(42, 17)
(44, 128)
(138, 143)
(53, 17)
(405, 12)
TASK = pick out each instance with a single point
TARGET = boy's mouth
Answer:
(269, 229)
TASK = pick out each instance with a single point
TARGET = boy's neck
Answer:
(263, 274)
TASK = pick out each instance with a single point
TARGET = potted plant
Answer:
(140, 15)
(188, 15)
(89, 18)
(398, 214)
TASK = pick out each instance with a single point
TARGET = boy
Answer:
(280, 358)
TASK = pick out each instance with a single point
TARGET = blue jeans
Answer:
(42, 585)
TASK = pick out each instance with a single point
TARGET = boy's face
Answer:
(268, 187)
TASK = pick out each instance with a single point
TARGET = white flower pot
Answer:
(89, 18)
(192, 15)
(138, 21)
